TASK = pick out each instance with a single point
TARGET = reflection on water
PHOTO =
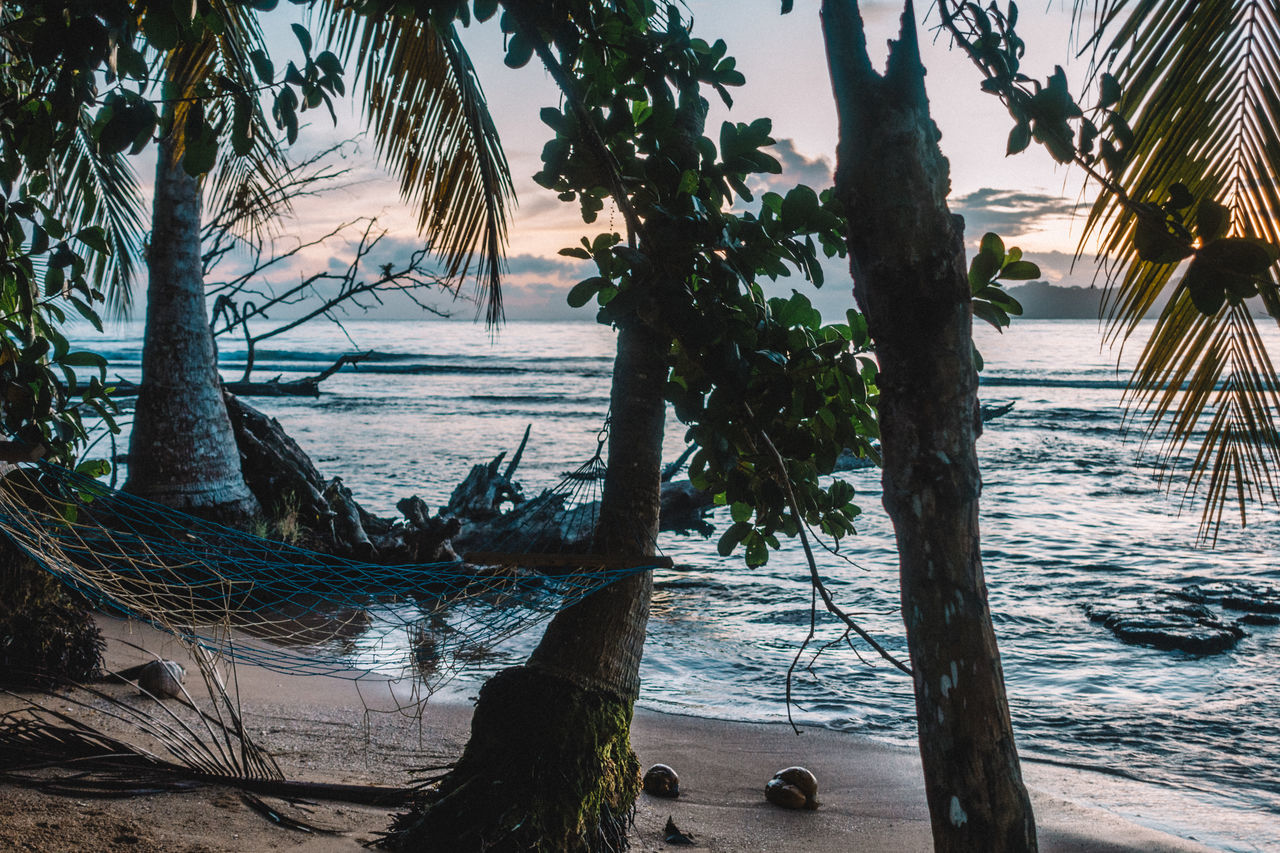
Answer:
(1070, 516)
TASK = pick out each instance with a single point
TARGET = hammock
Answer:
(268, 603)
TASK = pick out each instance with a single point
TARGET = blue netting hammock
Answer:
(268, 603)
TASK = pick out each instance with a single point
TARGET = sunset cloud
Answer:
(1011, 213)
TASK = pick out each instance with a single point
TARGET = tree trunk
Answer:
(549, 765)
(182, 452)
(907, 259)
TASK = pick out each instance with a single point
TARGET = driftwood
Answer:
(308, 386)
(349, 532)
(484, 492)
(543, 524)
(323, 513)
(487, 511)
(684, 508)
(276, 469)
(670, 471)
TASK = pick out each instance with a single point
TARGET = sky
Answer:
(1028, 199)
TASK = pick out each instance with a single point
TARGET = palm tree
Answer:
(182, 451)
(1198, 80)
(430, 123)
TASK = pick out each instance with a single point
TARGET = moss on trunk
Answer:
(549, 767)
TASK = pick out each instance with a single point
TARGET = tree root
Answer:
(549, 767)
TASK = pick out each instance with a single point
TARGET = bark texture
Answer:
(182, 452)
(569, 784)
(910, 279)
(549, 765)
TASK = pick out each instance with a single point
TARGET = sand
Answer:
(872, 794)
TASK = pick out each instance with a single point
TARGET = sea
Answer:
(1073, 513)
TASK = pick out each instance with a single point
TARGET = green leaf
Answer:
(1019, 139)
(1212, 220)
(519, 52)
(95, 238)
(741, 512)
(200, 153)
(62, 256)
(1204, 287)
(798, 207)
(304, 37)
(983, 267)
(1154, 243)
(94, 468)
(242, 125)
(731, 537)
(1019, 271)
(87, 313)
(991, 314)
(992, 243)
(583, 292)
(1180, 198)
(1110, 91)
(262, 66)
(1238, 255)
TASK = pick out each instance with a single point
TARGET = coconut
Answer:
(162, 678)
(793, 788)
(661, 781)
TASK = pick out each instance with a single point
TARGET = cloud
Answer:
(1010, 213)
(568, 269)
(817, 172)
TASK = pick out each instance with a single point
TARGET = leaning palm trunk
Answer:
(910, 281)
(182, 451)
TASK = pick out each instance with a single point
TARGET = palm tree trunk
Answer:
(549, 765)
(182, 451)
(907, 258)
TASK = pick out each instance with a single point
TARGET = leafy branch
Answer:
(1205, 355)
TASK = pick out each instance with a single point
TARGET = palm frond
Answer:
(103, 191)
(250, 183)
(1199, 81)
(1197, 368)
(207, 745)
(92, 189)
(431, 127)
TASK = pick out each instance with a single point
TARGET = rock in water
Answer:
(661, 781)
(793, 788)
(162, 678)
(1168, 625)
(1245, 596)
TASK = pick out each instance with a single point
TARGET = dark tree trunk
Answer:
(182, 452)
(910, 280)
(549, 765)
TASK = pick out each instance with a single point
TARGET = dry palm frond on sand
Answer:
(186, 746)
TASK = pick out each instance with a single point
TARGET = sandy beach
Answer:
(330, 729)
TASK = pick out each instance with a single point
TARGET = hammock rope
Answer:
(269, 603)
